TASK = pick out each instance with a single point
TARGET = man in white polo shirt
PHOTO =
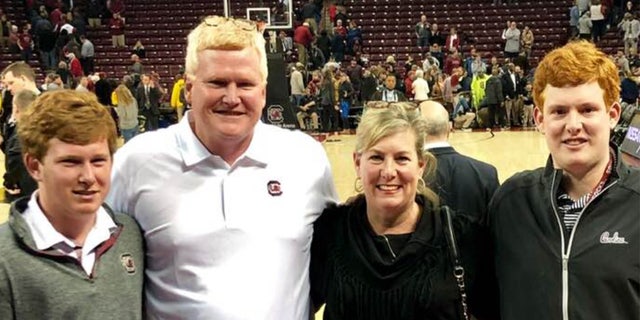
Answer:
(226, 202)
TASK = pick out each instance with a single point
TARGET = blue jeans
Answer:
(423, 42)
(297, 98)
(25, 55)
(127, 134)
(461, 107)
(49, 59)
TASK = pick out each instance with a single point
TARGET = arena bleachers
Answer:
(162, 27)
(387, 25)
(15, 11)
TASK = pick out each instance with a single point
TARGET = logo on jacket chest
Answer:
(607, 238)
(128, 263)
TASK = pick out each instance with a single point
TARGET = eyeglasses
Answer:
(244, 24)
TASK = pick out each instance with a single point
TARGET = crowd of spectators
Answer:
(479, 89)
(334, 78)
(55, 32)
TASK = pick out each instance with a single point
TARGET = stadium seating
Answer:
(387, 25)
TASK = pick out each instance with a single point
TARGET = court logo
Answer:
(275, 113)
(274, 188)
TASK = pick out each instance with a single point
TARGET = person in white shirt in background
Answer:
(631, 27)
(297, 85)
(82, 85)
(420, 87)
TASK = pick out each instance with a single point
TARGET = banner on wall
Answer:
(278, 110)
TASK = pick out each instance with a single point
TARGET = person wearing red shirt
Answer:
(117, 31)
(453, 41)
(340, 29)
(333, 10)
(453, 61)
(25, 43)
(302, 37)
(408, 81)
(51, 5)
(75, 68)
(56, 18)
(116, 7)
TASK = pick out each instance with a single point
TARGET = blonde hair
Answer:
(379, 123)
(19, 69)
(220, 33)
(124, 95)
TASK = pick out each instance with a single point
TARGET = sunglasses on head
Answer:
(244, 24)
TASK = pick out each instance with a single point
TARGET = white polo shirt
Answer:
(224, 242)
(45, 236)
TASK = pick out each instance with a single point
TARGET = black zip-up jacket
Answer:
(546, 272)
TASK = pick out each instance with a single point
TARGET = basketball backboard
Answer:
(277, 14)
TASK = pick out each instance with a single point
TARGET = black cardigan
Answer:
(354, 274)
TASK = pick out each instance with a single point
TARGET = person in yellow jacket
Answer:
(114, 98)
(176, 94)
(478, 85)
(477, 89)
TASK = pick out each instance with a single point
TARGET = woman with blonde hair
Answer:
(330, 116)
(127, 109)
(437, 92)
(386, 254)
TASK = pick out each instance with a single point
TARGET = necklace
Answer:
(386, 240)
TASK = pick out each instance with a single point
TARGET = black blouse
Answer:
(354, 271)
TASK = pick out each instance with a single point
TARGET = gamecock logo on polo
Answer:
(274, 188)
